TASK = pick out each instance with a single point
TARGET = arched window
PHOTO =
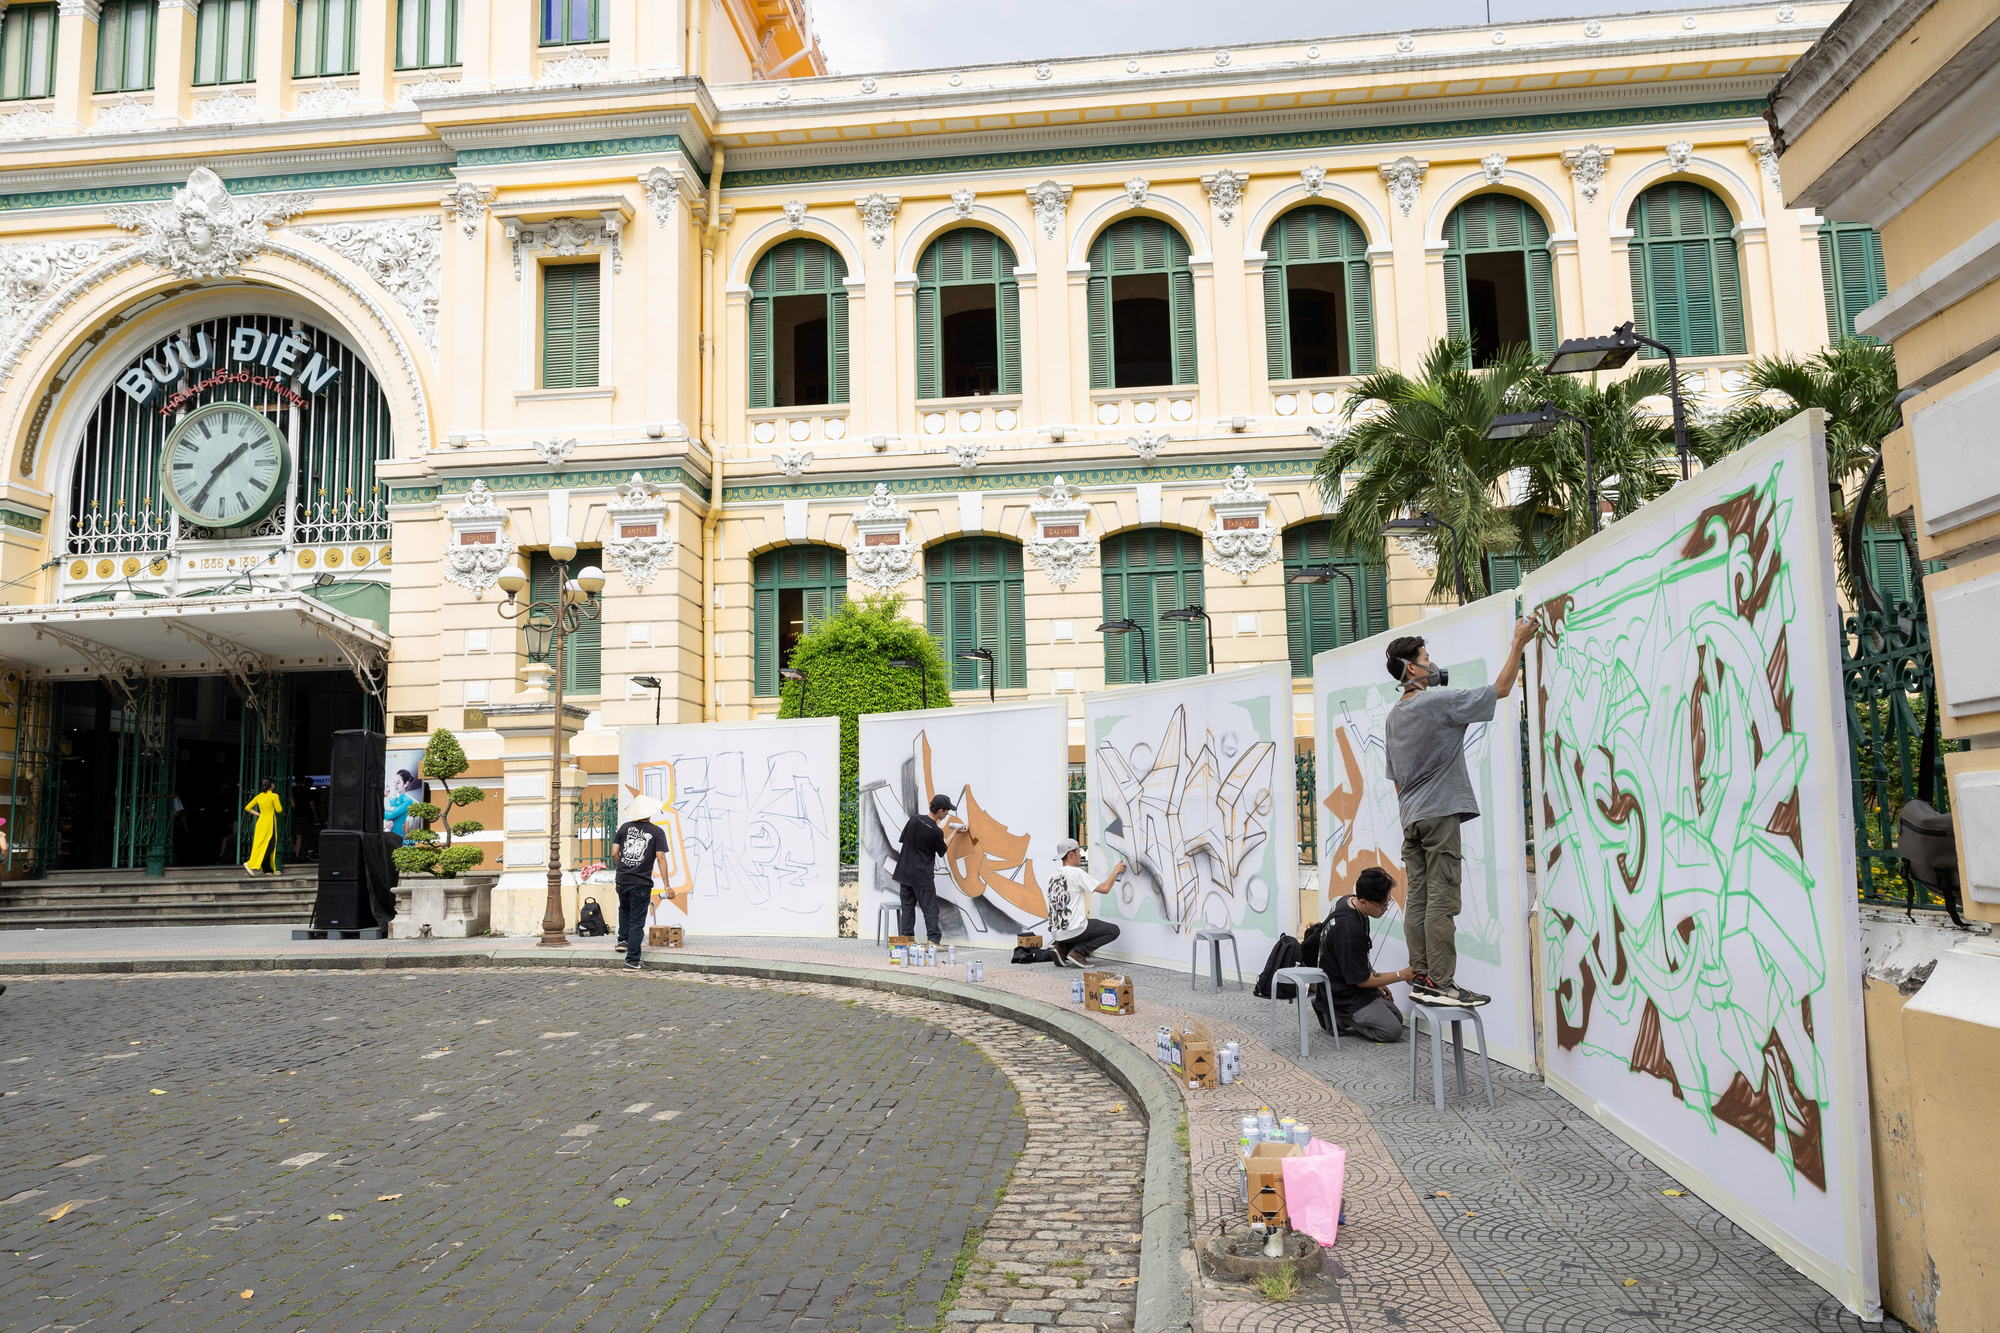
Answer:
(793, 587)
(1319, 319)
(973, 594)
(1685, 290)
(1850, 268)
(1499, 281)
(1319, 616)
(798, 326)
(968, 317)
(1146, 572)
(1141, 299)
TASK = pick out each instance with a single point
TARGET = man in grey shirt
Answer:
(1424, 749)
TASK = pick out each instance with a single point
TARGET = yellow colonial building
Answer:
(314, 313)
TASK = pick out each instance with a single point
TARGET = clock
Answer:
(225, 466)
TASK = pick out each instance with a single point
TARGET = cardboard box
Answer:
(1108, 993)
(664, 937)
(1193, 1058)
(1027, 941)
(895, 940)
(1267, 1181)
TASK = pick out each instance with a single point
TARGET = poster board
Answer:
(1191, 789)
(1359, 823)
(1701, 971)
(752, 821)
(1006, 768)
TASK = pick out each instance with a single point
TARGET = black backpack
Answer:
(1285, 953)
(590, 919)
(1024, 954)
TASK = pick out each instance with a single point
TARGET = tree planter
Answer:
(452, 909)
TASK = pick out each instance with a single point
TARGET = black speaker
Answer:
(355, 801)
(342, 903)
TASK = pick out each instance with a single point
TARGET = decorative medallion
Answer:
(204, 231)
(878, 212)
(794, 462)
(468, 203)
(32, 271)
(1042, 71)
(1062, 544)
(1225, 193)
(1406, 181)
(961, 202)
(1050, 202)
(1593, 29)
(1313, 179)
(1406, 43)
(1494, 166)
(1586, 168)
(1241, 540)
(881, 555)
(641, 547)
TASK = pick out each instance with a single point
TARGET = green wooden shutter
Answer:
(569, 325)
(583, 657)
(1010, 332)
(1360, 318)
(1542, 300)
(930, 354)
(587, 324)
(761, 383)
(1097, 297)
(836, 345)
(764, 632)
(1830, 286)
(1728, 299)
(1870, 282)
(1699, 306)
(1642, 300)
(1181, 293)
(1014, 659)
(1111, 556)
(1454, 297)
(1277, 322)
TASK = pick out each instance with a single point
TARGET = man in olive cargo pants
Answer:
(1424, 748)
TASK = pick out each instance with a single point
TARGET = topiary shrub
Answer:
(416, 858)
(457, 860)
(845, 658)
(444, 759)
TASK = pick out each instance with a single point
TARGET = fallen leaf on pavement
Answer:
(64, 1209)
(384, 1198)
(1673, 1194)
(1472, 1214)
(619, 1203)
(336, 1217)
(1125, 1281)
(1631, 1281)
(1440, 1194)
(159, 1092)
(247, 1294)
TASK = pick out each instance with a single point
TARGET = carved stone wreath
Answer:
(204, 231)
(404, 257)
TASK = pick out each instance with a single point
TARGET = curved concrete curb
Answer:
(1165, 1296)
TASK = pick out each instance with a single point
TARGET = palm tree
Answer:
(1631, 452)
(1855, 382)
(1418, 446)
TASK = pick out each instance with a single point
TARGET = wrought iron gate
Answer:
(32, 824)
(265, 752)
(142, 817)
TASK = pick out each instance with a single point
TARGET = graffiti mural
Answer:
(752, 819)
(1698, 931)
(1361, 823)
(1190, 791)
(1006, 769)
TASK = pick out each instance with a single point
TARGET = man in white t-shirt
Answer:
(1068, 890)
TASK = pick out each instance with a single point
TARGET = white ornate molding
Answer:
(122, 116)
(878, 213)
(642, 546)
(575, 69)
(881, 555)
(663, 185)
(1422, 548)
(565, 237)
(27, 124)
(1494, 165)
(967, 456)
(1149, 445)
(1050, 201)
(1405, 177)
(1326, 435)
(555, 451)
(1312, 179)
(1766, 153)
(330, 100)
(33, 271)
(204, 231)
(468, 203)
(962, 200)
(480, 547)
(1135, 191)
(1241, 540)
(1679, 153)
(228, 109)
(1225, 193)
(793, 462)
(1586, 167)
(1062, 544)
(795, 214)
(405, 257)
(408, 93)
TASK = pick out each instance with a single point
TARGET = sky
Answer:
(860, 36)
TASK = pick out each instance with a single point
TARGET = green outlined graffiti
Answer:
(1681, 935)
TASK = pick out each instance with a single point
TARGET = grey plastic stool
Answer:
(1439, 1015)
(1214, 939)
(1302, 977)
(883, 916)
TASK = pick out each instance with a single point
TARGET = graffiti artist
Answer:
(1424, 753)
(922, 844)
(1068, 892)
(1362, 1004)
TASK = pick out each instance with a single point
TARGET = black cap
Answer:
(941, 802)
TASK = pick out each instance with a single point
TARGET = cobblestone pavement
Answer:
(448, 1150)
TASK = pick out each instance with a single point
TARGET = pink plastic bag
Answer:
(1312, 1189)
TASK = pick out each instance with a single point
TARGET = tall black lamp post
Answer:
(1429, 522)
(1132, 627)
(793, 673)
(923, 677)
(1526, 425)
(553, 620)
(650, 683)
(1194, 611)
(1578, 356)
(983, 655)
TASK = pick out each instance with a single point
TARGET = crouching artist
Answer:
(1362, 1004)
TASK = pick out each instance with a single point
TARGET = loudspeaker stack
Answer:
(356, 880)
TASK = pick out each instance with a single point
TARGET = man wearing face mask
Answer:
(1424, 750)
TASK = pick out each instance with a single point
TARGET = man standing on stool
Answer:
(916, 869)
(1424, 750)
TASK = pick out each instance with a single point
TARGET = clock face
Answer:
(225, 466)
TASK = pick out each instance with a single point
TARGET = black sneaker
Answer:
(633, 965)
(1423, 990)
(1453, 993)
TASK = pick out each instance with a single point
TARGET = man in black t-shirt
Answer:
(917, 851)
(639, 848)
(1361, 1001)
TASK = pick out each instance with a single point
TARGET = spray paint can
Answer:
(930, 955)
(1222, 1070)
(1163, 1045)
(951, 953)
(1076, 990)
(975, 971)
(1285, 1127)
(1248, 1141)
(1266, 1120)
(1301, 1135)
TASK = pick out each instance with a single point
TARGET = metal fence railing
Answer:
(593, 822)
(1890, 687)
(1302, 791)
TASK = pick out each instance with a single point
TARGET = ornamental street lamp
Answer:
(1527, 425)
(1576, 356)
(983, 655)
(1429, 522)
(1327, 574)
(550, 623)
(923, 677)
(650, 683)
(1129, 626)
(1190, 613)
(793, 673)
